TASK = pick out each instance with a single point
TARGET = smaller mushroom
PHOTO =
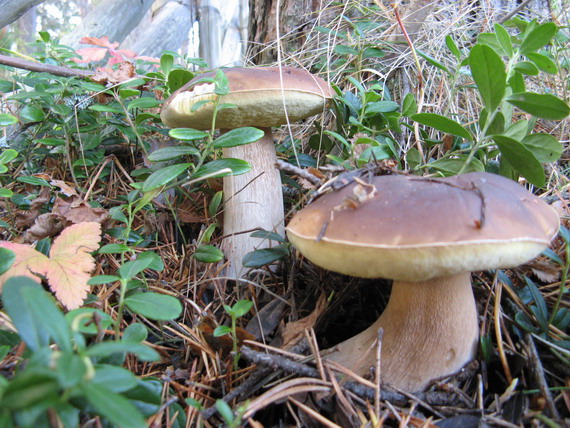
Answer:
(264, 97)
(427, 234)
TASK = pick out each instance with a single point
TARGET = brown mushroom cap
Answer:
(260, 95)
(416, 228)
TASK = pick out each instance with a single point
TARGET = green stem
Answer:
(563, 279)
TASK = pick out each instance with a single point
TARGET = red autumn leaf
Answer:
(90, 54)
(68, 266)
(102, 41)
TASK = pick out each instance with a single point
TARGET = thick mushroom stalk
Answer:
(252, 200)
(430, 331)
(262, 97)
(426, 234)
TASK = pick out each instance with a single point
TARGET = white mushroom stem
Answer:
(430, 331)
(251, 200)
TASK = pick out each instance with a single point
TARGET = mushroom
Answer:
(264, 97)
(427, 235)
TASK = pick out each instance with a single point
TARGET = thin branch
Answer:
(43, 68)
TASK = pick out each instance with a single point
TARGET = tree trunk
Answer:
(112, 18)
(13, 9)
(295, 18)
(210, 32)
(164, 29)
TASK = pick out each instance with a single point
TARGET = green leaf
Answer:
(178, 78)
(489, 73)
(225, 411)
(545, 106)
(50, 141)
(154, 260)
(237, 166)
(160, 307)
(222, 330)
(7, 258)
(452, 166)
(5, 193)
(23, 314)
(215, 203)
(168, 153)
(32, 114)
(265, 234)
(82, 320)
(544, 147)
(70, 369)
(538, 37)
(166, 63)
(208, 254)
(108, 348)
(521, 159)
(114, 407)
(543, 62)
(132, 268)
(28, 388)
(265, 256)
(114, 378)
(102, 279)
(433, 61)
(7, 119)
(8, 156)
(143, 103)
(443, 124)
(526, 67)
(238, 137)
(187, 134)
(409, 105)
(504, 39)
(381, 107)
(114, 249)
(135, 333)
(240, 308)
(164, 175)
(541, 311)
(450, 43)
(345, 50)
(47, 312)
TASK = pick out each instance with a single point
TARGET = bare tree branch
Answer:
(36, 66)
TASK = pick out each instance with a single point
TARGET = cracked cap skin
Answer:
(259, 94)
(415, 229)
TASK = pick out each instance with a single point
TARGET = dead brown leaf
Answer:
(295, 331)
(65, 188)
(45, 226)
(76, 210)
(27, 218)
(124, 72)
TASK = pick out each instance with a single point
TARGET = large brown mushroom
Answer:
(427, 234)
(264, 97)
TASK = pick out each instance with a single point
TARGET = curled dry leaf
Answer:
(76, 210)
(68, 266)
(27, 218)
(295, 331)
(65, 188)
(45, 226)
(124, 72)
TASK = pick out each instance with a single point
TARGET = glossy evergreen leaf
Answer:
(238, 137)
(213, 169)
(187, 134)
(155, 306)
(453, 165)
(7, 119)
(164, 176)
(208, 254)
(108, 348)
(265, 256)
(178, 78)
(7, 258)
(488, 71)
(112, 406)
(526, 67)
(168, 153)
